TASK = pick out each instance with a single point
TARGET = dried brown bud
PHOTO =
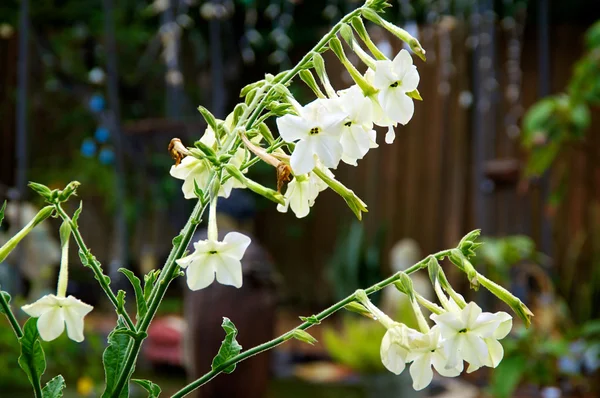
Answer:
(177, 150)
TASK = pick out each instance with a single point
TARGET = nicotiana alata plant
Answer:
(338, 126)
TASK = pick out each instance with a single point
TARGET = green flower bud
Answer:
(365, 86)
(69, 190)
(359, 309)
(14, 241)
(513, 302)
(360, 29)
(308, 78)
(468, 244)
(41, 190)
(354, 202)
(458, 258)
(303, 335)
(254, 186)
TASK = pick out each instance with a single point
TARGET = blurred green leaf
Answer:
(229, 347)
(54, 388)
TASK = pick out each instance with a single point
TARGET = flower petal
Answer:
(200, 275)
(184, 168)
(43, 305)
(398, 106)
(51, 324)
(440, 363)
(384, 75)
(496, 352)
(505, 325)
(392, 355)
(299, 199)
(303, 160)
(421, 372)
(74, 323)
(328, 150)
(292, 128)
(77, 306)
(410, 81)
(402, 62)
(390, 136)
(228, 269)
(236, 244)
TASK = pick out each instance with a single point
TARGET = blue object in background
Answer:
(96, 103)
(102, 134)
(106, 156)
(88, 148)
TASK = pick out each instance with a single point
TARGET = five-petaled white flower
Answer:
(394, 79)
(427, 351)
(301, 193)
(54, 312)
(495, 350)
(316, 131)
(358, 135)
(464, 334)
(212, 257)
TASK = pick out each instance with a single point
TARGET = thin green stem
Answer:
(11, 317)
(95, 267)
(305, 325)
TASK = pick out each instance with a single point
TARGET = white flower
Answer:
(215, 257)
(54, 312)
(358, 135)
(394, 79)
(427, 351)
(464, 334)
(379, 116)
(301, 193)
(192, 169)
(317, 131)
(495, 350)
(395, 347)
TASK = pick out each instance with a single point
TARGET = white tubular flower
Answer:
(316, 132)
(192, 169)
(212, 257)
(358, 135)
(395, 346)
(379, 116)
(301, 193)
(394, 79)
(465, 332)
(426, 351)
(495, 349)
(55, 312)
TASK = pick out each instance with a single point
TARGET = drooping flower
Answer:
(357, 135)
(379, 116)
(464, 334)
(316, 131)
(55, 312)
(426, 351)
(495, 349)
(395, 347)
(212, 257)
(394, 79)
(301, 193)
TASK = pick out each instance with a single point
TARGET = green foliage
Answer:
(140, 299)
(32, 359)
(114, 359)
(502, 253)
(356, 345)
(153, 389)
(229, 347)
(54, 388)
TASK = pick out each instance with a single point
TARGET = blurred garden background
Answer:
(507, 139)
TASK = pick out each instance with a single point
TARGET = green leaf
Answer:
(149, 281)
(507, 376)
(32, 359)
(2, 209)
(142, 306)
(77, 213)
(6, 298)
(54, 388)
(153, 389)
(114, 358)
(229, 347)
(121, 300)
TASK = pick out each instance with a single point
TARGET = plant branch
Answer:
(315, 320)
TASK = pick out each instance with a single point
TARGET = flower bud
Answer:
(468, 244)
(354, 202)
(513, 302)
(42, 190)
(458, 258)
(360, 29)
(69, 190)
(359, 79)
(319, 65)
(400, 33)
(308, 78)
(12, 243)
(359, 309)
(303, 335)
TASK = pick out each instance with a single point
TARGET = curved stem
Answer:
(95, 267)
(305, 325)
(10, 316)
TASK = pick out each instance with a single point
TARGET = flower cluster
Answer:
(462, 333)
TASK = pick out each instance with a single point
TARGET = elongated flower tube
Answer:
(12, 243)
(56, 311)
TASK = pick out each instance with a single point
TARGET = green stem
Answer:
(10, 316)
(305, 325)
(95, 267)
